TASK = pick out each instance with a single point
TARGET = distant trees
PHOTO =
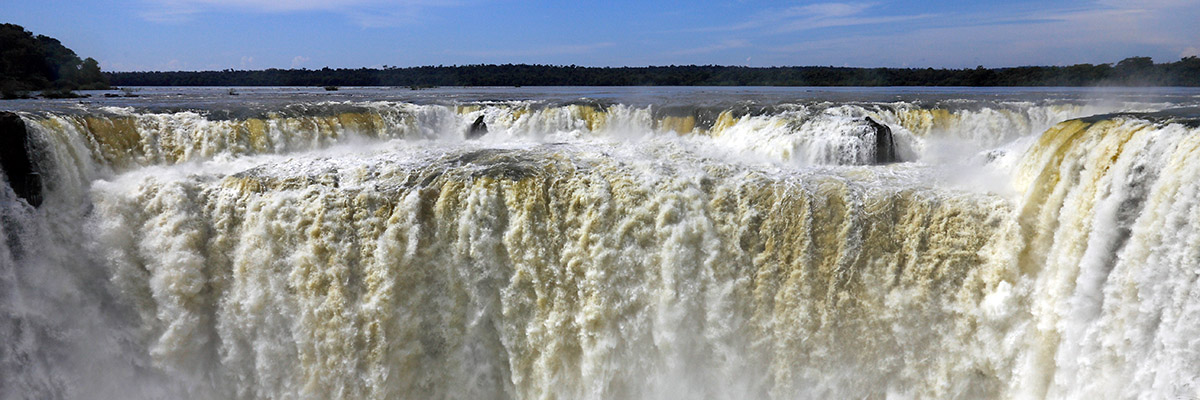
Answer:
(1133, 71)
(29, 62)
(1186, 72)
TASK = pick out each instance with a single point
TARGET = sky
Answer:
(170, 35)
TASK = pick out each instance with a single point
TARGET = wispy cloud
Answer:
(1105, 31)
(367, 13)
(816, 16)
(721, 46)
(572, 49)
(300, 61)
(829, 15)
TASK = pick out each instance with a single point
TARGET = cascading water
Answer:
(604, 250)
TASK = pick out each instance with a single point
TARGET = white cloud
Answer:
(283, 5)
(1190, 52)
(247, 62)
(299, 61)
(367, 13)
(723, 45)
(540, 51)
(1101, 33)
(816, 16)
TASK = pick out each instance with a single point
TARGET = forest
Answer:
(1134, 71)
(42, 63)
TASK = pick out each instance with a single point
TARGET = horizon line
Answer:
(394, 67)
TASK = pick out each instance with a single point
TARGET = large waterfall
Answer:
(605, 250)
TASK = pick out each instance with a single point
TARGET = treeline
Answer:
(29, 62)
(1136, 71)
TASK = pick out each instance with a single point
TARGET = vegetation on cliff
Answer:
(29, 63)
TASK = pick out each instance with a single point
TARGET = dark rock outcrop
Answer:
(16, 159)
(478, 128)
(885, 146)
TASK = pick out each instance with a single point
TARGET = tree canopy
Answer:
(29, 62)
(1136, 71)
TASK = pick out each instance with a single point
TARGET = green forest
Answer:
(29, 63)
(1135, 71)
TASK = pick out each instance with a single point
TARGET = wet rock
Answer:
(885, 146)
(16, 159)
(478, 128)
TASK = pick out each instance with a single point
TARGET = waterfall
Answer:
(585, 250)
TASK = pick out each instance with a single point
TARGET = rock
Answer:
(478, 128)
(885, 146)
(16, 159)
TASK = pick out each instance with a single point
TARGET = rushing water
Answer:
(662, 243)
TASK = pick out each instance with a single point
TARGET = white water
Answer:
(579, 252)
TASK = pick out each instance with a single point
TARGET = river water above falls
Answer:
(603, 243)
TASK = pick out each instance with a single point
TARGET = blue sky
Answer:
(258, 34)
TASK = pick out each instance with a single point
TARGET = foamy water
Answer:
(704, 246)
